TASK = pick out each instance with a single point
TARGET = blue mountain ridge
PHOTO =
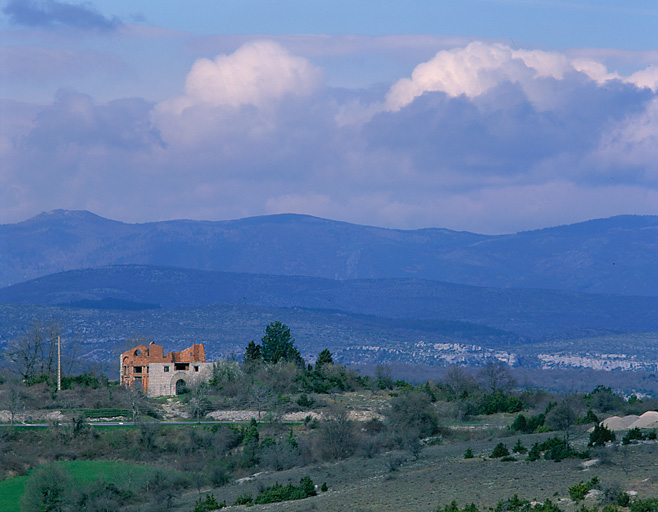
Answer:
(617, 255)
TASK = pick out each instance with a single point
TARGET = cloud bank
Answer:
(54, 14)
(481, 137)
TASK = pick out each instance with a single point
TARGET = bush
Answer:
(534, 453)
(453, 507)
(623, 499)
(469, 453)
(500, 450)
(219, 476)
(305, 402)
(518, 447)
(500, 402)
(528, 425)
(210, 503)
(278, 492)
(634, 434)
(558, 449)
(600, 436)
(49, 488)
(555, 449)
(646, 505)
(244, 499)
(590, 417)
(578, 491)
(513, 504)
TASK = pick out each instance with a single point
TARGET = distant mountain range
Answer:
(618, 255)
(583, 296)
(536, 314)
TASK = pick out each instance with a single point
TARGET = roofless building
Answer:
(150, 370)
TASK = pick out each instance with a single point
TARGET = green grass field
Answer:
(82, 472)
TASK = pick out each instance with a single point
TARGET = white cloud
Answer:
(475, 69)
(514, 139)
(256, 74)
(645, 78)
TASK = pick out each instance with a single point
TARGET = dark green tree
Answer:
(500, 450)
(600, 435)
(324, 357)
(252, 356)
(279, 345)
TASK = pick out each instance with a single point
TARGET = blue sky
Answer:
(487, 116)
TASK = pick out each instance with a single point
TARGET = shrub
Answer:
(634, 434)
(453, 507)
(518, 447)
(394, 463)
(558, 449)
(590, 417)
(244, 499)
(534, 453)
(305, 402)
(600, 436)
(528, 425)
(469, 453)
(578, 491)
(513, 504)
(49, 488)
(555, 449)
(500, 450)
(219, 476)
(209, 504)
(623, 499)
(646, 505)
(278, 492)
(500, 402)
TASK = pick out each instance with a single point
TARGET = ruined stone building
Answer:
(150, 370)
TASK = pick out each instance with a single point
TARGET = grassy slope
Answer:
(442, 475)
(82, 472)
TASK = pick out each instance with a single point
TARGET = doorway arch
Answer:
(181, 387)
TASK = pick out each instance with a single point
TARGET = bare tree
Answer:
(34, 352)
(259, 395)
(496, 377)
(52, 333)
(459, 381)
(13, 401)
(384, 376)
(337, 435)
(197, 401)
(411, 417)
(24, 351)
(562, 417)
(133, 399)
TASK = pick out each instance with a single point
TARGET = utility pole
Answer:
(59, 364)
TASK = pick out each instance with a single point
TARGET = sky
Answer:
(490, 116)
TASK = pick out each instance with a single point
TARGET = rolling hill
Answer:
(529, 313)
(612, 256)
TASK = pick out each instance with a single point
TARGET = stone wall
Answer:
(164, 376)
